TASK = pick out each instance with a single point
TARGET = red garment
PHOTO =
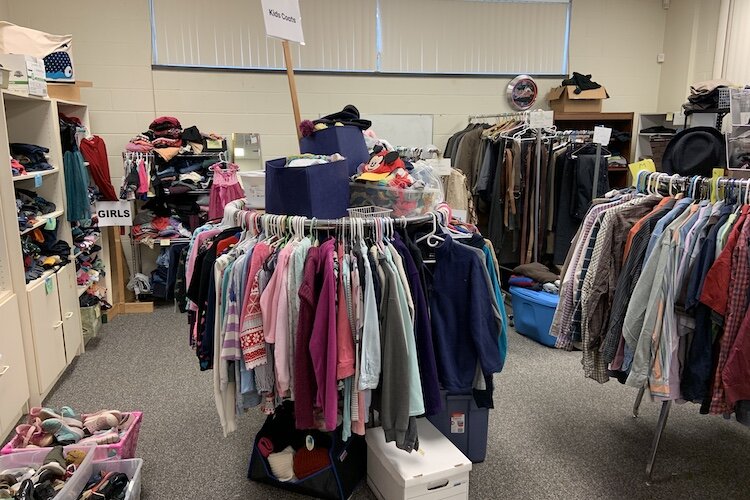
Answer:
(94, 151)
(345, 342)
(159, 224)
(736, 307)
(224, 244)
(716, 285)
(736, 374)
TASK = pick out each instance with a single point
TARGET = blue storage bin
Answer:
(320, 191)
(464, 424)
(347, 140)
(533, 312)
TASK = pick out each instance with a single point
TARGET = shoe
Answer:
(66, 414)
(110, 436)
(26, 490)
(64, 434)
(102, 421)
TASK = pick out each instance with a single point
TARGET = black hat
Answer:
(695, 151)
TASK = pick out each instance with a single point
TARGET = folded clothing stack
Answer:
(43, 251)
(307, 159)
(535, 276)
(159, 228)
(29, 206)
(50, 427)
(704, 96)
(33, 158)
(43, 482)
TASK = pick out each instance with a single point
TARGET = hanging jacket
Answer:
(463, 320)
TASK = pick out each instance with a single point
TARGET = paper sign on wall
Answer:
(114, 213)
(602, 135)
(283, 20)
(541, 119)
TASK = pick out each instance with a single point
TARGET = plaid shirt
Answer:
(565, 308)
(628, 278)
(598, 285)
(738, 299)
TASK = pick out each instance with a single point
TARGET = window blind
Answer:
(736, 64)
(458, 36)
(389, 36)
(339, 35)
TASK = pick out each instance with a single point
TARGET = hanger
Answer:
(432, 239)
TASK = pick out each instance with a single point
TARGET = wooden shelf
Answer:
(594, 116)
(41, 173)
(42, 220)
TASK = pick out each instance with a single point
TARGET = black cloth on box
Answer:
(581, 82)
(192, 134)
(695, 151)
(347, 116)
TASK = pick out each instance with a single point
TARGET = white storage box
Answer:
(130, 467)
(437, 471)
(27, 75)
(254, 184)
(73, 486)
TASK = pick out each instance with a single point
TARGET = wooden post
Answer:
(292, 85)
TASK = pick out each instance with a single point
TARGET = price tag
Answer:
(214, 144)
(541, 119)
(48, 285)
(37, 180)
(51, 224)
(164, 242)
(602, 135)
(458, 421)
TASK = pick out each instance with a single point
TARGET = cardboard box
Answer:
(565, 100)
(27, 74)
(438, 471)
(67, 91)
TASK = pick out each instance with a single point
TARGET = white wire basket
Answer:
(369, 211)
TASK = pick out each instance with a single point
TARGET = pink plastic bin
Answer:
(117, 451)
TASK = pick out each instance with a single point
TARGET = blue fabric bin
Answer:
(346, 140)
(533, 312)
(320, 191)
(464, 424)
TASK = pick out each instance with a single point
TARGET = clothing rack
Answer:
(524, 115)
(682, 183)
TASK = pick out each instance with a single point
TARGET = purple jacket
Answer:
(323, 344)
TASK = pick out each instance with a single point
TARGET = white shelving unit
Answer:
(42, 331)
(645, 121)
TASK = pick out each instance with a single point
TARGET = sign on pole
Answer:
(283, 20)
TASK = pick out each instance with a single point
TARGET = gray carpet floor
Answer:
(553, 433)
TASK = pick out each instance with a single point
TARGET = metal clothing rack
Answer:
(681, 183)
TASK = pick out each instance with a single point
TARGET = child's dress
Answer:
(225, 188)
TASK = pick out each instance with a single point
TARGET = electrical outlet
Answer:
(660, 57)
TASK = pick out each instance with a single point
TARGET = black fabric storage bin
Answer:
(347, 141)
(335, 482)
(320, 191)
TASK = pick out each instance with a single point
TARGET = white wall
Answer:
(615, 40)
(689, 49)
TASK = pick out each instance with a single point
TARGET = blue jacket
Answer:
(464, 326)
